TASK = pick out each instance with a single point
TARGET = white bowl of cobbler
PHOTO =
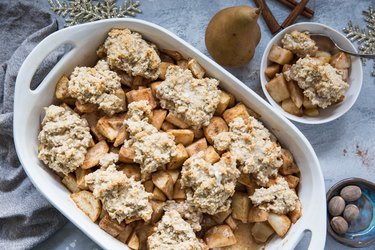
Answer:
(143, 142)
(306, 80)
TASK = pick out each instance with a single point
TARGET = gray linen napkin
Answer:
(26, 218)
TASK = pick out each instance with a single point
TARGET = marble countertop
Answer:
(345, 147)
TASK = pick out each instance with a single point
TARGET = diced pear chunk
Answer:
(323, 56)
(158, 117)
(224, 101)
(239, 110)
(163, 180)
(240, 206)
(232, 222)
(141, 94)
(344, 74)
(126, 154)
(215, 127)
(94, 154)
(87, 202)
(272, 70)
(292, 181)
(196, 68)
(341, 60)
(70, 183)
(158, 195)
(257, 215)
(244, 239)
(180, 157)
(197, 146)
(307, 103)
(220, 236)
(182, 136)
(171, 118)
(211, 155)
(289, 106)
(112, 227)
(278, 89)
(296, 93)
(220, 217)
(280, 223)
(133, 242)
(261, 231)
(178, 191)
(157, 208)
(313, 112)
(280, 55)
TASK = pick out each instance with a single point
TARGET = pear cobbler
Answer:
(161, 158)
(304, 79)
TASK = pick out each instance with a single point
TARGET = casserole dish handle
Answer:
(317, 240)
(36, 57)
(318, 236)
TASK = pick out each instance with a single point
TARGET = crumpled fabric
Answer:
(26, 217)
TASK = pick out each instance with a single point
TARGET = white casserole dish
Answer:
(84, 39)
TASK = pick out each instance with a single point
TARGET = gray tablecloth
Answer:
(26, 218)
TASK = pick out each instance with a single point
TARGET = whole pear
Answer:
(233, 34)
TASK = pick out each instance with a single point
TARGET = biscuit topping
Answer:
(173, 233)
(299, 43)
(127, 51)
(122, 197)
(98, 85)
(193, 100)
(63, 140)
(153, 149)
(278, 198)
(250, 144)
(212, 185)
(321, 83)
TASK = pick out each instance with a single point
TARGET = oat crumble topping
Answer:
(278, 198)
(63, 140)
(250, 144)
(97, 85)
(212, 185)
(321, 83)
(139, 111)
(122, 197)
(127, 51)
(108, 160)
(299, 43)
(153, 149)
(187, 211)
(192, 100)
(173, 233)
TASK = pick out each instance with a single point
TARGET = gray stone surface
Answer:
(345, 147)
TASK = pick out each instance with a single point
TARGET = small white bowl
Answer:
(355, 79)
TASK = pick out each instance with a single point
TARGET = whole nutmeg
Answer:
(351, 212)
(336, 205)
(339, 225)
(351, 193)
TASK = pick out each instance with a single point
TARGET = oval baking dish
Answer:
(84, 40)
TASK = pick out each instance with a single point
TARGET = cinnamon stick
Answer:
(309, 13)
(270, 20)
(294, 14)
